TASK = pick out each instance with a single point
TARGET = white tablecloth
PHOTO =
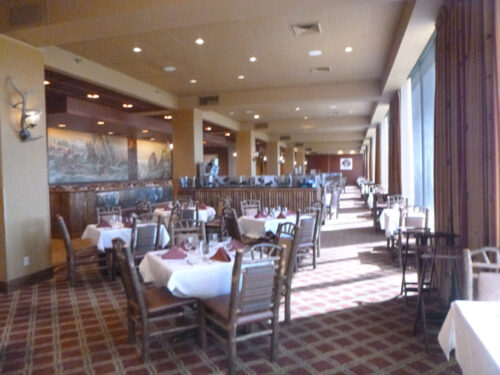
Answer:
(103, 237)
(203, 279)
(256, 228)
(389, 221)
(472, 328)
(206, 215)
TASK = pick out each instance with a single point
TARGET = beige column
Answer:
(187, 128)
(289, 156)
(273, 158)
(245, 147)
(300, 158)
(24, 205)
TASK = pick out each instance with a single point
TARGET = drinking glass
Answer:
(278, 209)
(227, 243)
(213, 238)
(266, 211)
(285, 210)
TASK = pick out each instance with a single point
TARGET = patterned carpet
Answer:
(347, 319)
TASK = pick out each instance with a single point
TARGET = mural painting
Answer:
(154, 160)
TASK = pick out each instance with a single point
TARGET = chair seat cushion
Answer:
(488, 286)
(220, 306)
(160, 300)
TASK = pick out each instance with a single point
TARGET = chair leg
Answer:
(145, 340)
(109, 264)
(314, 251)
(275, 337)
(231, 343)
(288, 312)
(70, 276)
(202, 332)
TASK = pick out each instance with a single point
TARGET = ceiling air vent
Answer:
(299, 145)
(261, 125)
(208, 100)
(321, 69)
(285, 138)
(309, 149)
(306, 28)
(23, 14)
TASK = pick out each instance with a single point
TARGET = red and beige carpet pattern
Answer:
(347, 319)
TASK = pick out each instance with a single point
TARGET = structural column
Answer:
(273, 158)
(245, 148)
(289, 156)
(187, 128)
(24, 205)
(300, 158)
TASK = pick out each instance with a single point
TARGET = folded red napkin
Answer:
(221, 256)
(128, 224)
(281, 215)
(260, 215)
(104, 224)
(202, 206)
(236, 245)
(174, 253)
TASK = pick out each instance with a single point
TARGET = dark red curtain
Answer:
(466, 149)
(378, 171)
(394, 146)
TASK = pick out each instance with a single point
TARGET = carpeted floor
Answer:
(347, 319)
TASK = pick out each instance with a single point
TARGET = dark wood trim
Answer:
(23, 281)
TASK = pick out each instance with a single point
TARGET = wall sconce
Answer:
(255, 156)
(29, 117)
(264, 158)
(235, 154)
(282, 159)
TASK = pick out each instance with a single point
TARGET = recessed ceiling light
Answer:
(231, 113)
(348, 49)
(111, 133)
(208, 128)
(297, 108)
(253, 59)
(168, 117)
(227, 134)
(352, 152)
(199, 41)
(241, 76)
(169, 68)
(315, 52)
(100, 122)
(256, 117)
(137, 49)
(248, 111)
(340, 152)
(152, 139)
(62, 125)
(145, 130)
(93, 96)
(193, 81)
(127, 105)
(305, 117)
(333, 106)
(46, 82)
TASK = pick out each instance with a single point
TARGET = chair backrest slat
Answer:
(485, 259)
(232, 225)
(63, 231)
(250, 207)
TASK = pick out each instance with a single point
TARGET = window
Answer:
(423, 82)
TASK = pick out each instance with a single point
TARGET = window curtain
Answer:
(394, 146)
(370, 160)
(378, 156)
(466, 162)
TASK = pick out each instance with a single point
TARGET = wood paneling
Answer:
(293, 198)
(331, 163)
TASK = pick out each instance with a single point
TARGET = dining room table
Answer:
(257, 227)
(102, 237)
(196, 275)
(472, 330)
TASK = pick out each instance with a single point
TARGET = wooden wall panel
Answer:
(331, 164)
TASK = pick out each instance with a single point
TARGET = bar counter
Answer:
(292, 197)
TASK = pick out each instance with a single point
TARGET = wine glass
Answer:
(285, 210)
(266, 211)
(273, 212)
(278, 209)
(227, 243)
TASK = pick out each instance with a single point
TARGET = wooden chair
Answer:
(184, 229)
(249, 207)
(217, 225)
(107, 213)
(147, 306)
(232, 227)
(143, 210)
(334, 203)
(307, 237)
(321, 207)
(80, 256)
(145, 238)
(254, 298)
(480, 264)
(287, 238)
(399, 200)
(190, 214)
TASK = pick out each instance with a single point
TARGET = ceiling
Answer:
(341, 100)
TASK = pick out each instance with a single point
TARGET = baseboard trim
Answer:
(21, 282)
